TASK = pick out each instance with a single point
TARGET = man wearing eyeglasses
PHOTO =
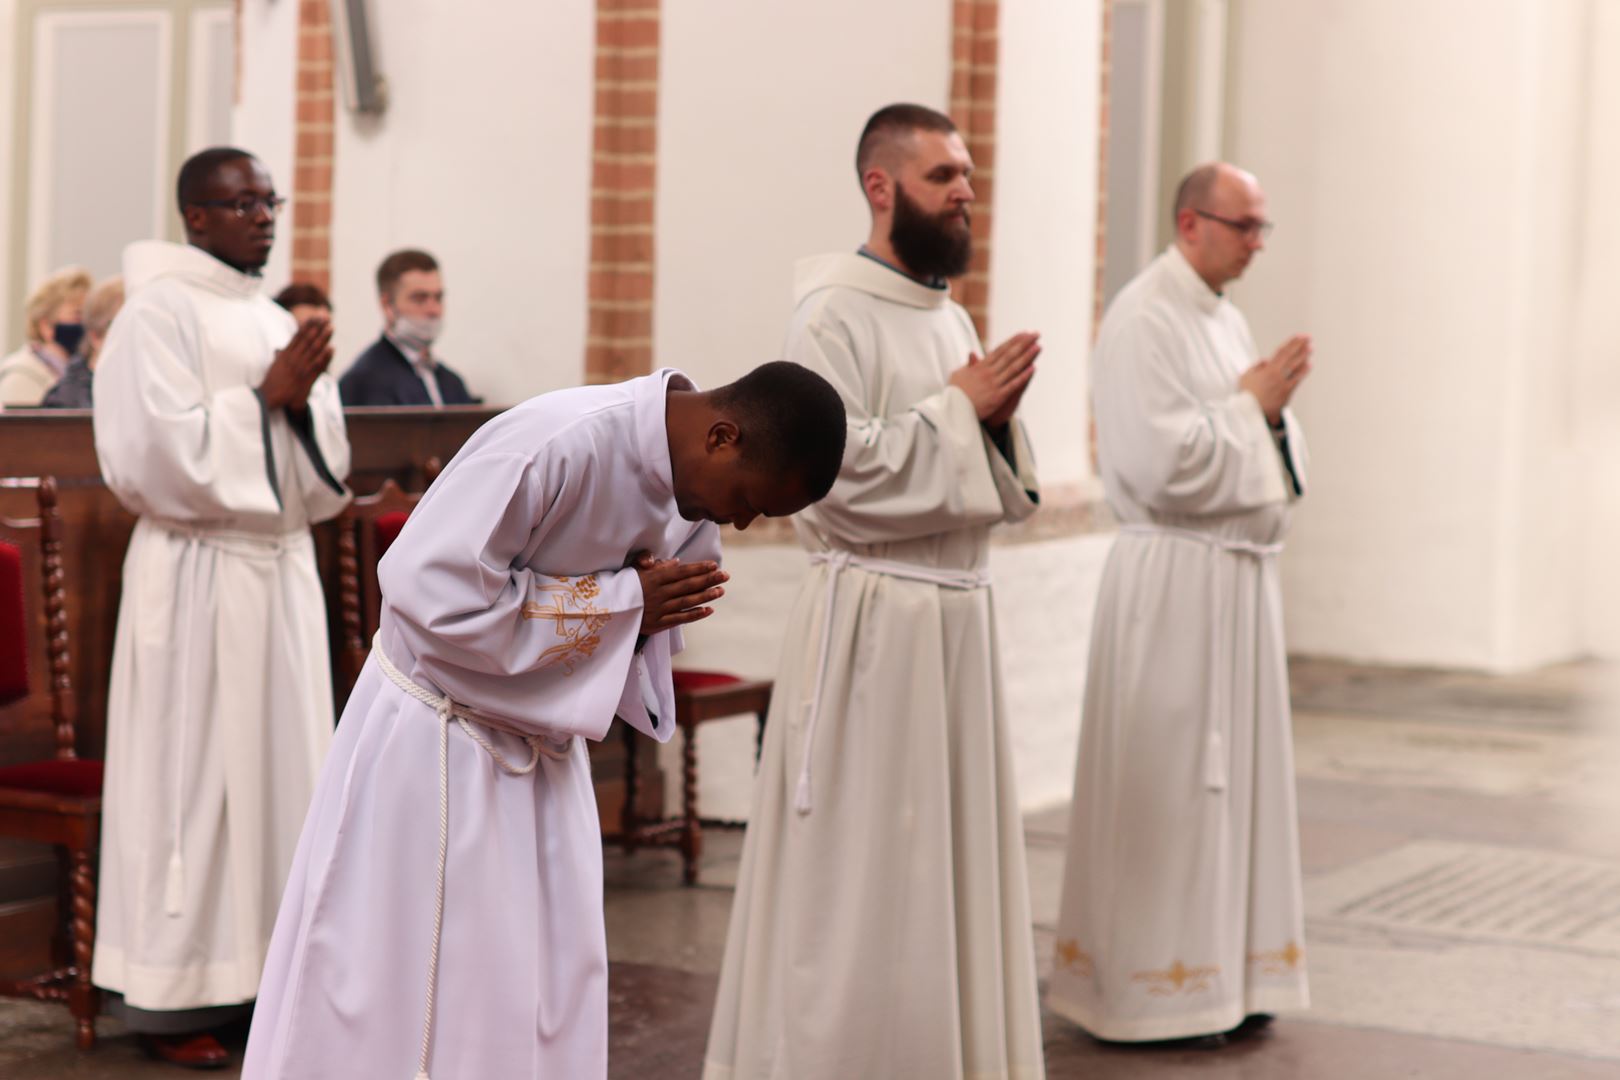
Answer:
(217, 424)
(1181, 915)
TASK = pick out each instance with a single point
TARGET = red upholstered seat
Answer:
(13, 627)
(388, 527)
(77, 778)
(686, 681)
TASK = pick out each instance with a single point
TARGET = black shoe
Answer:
(1252, 1025)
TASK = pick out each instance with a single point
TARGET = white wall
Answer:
(262, 122)
(1596, 386)
(749, 181)
(759, 109)
(10, 49)
(483, 158)
(1428, 202)
(1045, 202)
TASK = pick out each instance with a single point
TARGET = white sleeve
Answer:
(322, 460)
(166, 445)
(1174, 451)
(549, 651)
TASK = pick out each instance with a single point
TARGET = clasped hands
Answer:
(1273, 380)
(674, 593)
(297, 365)
(995, 384)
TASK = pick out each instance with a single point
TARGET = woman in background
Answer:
(72, 390)
(55, 313)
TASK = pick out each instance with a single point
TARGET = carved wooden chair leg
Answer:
(627, 816)
(84, 1000)
(62, 939)
(692, 835)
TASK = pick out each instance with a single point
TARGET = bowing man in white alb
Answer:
(444, 914)
(881, 924)
(216, 423)
(1182, 914)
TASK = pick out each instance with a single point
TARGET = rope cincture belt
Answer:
(837, 562)
(470, 720)
(1215, 762)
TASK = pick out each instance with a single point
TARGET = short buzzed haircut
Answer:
(1193, 191)
(792, 423)
(892, 123)
(192, 186)
(398, 265)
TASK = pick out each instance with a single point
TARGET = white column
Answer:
(1043, 252)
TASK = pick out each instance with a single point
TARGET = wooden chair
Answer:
(56, 800)
(366, 528)
(699, 696)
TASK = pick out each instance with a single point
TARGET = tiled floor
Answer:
(1461, 842)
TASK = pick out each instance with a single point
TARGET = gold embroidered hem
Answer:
(1071, 957)
(1284, 961)
(1177, 979)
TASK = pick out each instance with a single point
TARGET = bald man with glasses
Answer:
(1182, 915)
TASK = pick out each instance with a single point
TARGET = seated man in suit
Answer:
(400, 368)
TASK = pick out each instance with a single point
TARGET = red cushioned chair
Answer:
(56, 800)
(699, 696)
(367, 527)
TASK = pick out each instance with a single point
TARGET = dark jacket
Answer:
(382, 376)
(72, 390)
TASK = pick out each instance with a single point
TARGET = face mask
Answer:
(417, 333)
(68, 335)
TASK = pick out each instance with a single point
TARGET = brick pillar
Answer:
(312, 149)
(618, 343)
(974, 53)
(1107, 67)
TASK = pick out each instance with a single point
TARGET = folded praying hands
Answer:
(1273, 380)
(995, 384)
(296, 367)
(675, 592)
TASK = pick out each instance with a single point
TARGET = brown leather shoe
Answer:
(201, 1051)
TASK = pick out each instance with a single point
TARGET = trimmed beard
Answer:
(930, 246)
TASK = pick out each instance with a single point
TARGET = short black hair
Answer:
(892, 122)
(303, 292)
(792, 422)
(398, 265)
(199, 170)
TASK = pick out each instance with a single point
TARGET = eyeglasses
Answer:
(248, 206)
(1247, 229)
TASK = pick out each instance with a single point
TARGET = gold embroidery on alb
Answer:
(1283, 961)
(578, 622)
(1177, 979)
(1071, 957)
